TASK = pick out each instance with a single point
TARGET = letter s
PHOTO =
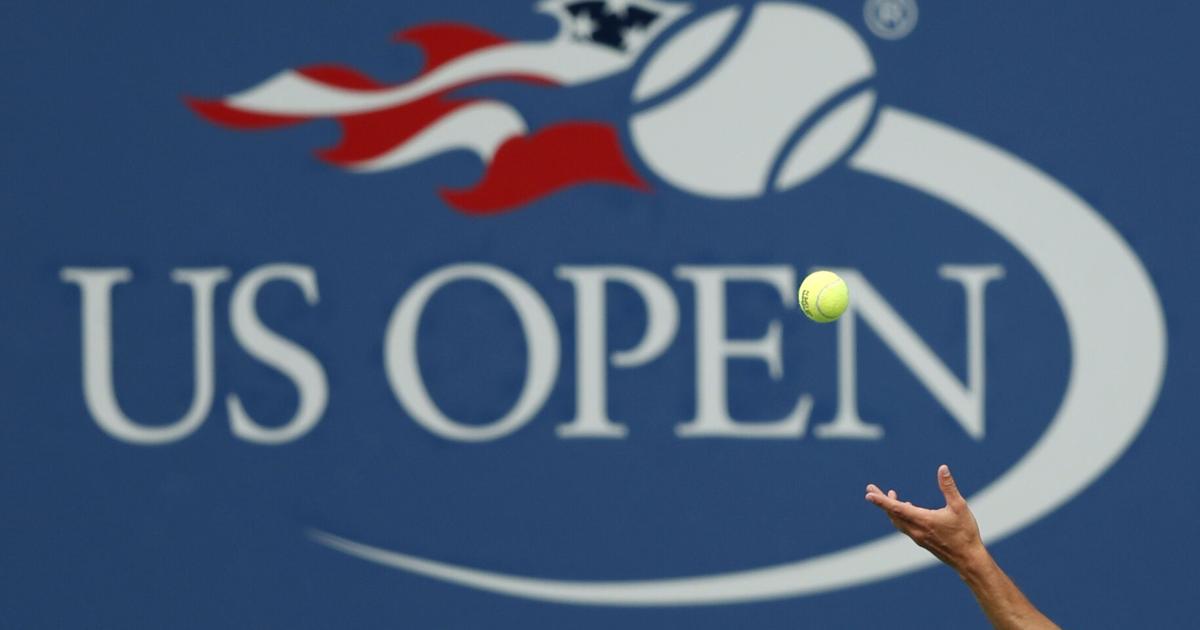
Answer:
(281, 353)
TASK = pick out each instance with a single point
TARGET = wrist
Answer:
(975, 563)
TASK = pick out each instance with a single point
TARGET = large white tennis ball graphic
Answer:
(782, 103)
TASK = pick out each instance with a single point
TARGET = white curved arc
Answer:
(1097, 420)
(1108, 346)
(480, 127)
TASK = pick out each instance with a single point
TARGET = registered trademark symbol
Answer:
(891, 19)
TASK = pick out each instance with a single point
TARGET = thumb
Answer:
(949, 488)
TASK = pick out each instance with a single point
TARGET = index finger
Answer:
(895, 507)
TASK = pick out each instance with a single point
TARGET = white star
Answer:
(616, 7)
(583, 26)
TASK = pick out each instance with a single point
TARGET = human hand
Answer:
(950, 533)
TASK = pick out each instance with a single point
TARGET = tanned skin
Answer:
(951, 534)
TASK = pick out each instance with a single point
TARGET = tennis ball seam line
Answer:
(817, 300)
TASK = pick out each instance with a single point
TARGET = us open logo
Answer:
(798, 80)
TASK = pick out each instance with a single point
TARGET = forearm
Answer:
(951, 534)
(1003, 603)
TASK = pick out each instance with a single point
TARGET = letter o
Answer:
(541, 345)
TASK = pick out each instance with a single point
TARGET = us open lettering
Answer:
(964, 401)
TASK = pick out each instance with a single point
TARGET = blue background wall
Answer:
(103, 165)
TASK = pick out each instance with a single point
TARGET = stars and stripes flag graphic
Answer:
(388, 126)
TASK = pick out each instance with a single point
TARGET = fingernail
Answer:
(944, 470)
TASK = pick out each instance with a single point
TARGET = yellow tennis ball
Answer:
(823, 296)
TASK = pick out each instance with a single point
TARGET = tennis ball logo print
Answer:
(823, 296)
(793, 79)
(734, 104)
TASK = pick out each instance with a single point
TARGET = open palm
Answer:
(950, 532)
